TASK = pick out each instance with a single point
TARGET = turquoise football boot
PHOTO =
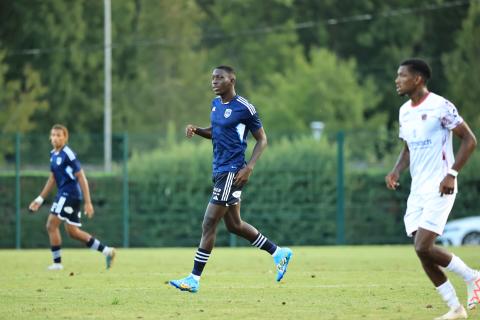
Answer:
(110, 258)
(186, 284)
(281, 262)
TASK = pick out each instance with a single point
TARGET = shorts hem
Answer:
(77, 224)
(224, 203)
(438, 231)
(410, 232)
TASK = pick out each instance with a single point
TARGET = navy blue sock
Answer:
(200, 260)
(94, 244)
(57, 257)
(263, 243)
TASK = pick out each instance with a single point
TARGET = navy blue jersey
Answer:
(64, 164)
(231, 123)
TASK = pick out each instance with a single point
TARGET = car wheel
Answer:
(472, 238)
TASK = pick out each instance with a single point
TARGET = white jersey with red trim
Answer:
(426, 128)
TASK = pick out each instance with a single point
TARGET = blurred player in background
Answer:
(72, 186)
(426, 123)
(232, 117)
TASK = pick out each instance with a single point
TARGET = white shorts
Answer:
(428, 211)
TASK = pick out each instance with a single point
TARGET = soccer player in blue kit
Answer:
(232, 117)
(72, 186)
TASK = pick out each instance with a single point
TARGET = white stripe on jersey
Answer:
(69, 171)
(241, 131)
(250, 107)
(69, 153)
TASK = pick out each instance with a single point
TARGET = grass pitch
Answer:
(382, 282)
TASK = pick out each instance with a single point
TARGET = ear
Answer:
(418, 79)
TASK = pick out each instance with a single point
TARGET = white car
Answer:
(465, 231)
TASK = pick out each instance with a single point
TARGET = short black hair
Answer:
(420, 66)
(227, 69)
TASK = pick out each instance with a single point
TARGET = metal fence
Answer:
(345, 203)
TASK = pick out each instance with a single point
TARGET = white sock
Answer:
(195, 276)
(447, 291)
(459, 267)
(107, 251)
(277, 251)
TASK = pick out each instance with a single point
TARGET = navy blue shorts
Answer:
(224, 192)
(67, 209)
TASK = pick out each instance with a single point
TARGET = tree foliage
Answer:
(325, 89)
(463, 68)
(20, 99)
(164, 51)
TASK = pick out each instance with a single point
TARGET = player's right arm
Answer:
(38, 201)
(191, 130)
(402, 163)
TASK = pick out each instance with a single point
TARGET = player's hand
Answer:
(34, 206)
(391, 180)
(242, 176)
(89, 210)
(190, 131)
(447, 186)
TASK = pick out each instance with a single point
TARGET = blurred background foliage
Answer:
(297, 60)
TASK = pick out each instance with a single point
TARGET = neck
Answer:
(228, 96)
(58, 149)
(418, 95)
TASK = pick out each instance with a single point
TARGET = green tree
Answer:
(162, 53)
(325, 89)
(463, 67)
(379, 34)
(20, 99)
(158, 73)
(256, 37)
(67, 60)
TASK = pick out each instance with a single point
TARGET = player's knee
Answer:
(50, 227)
(209, 225)
(423, 250)
(234, 227)
(72, 233)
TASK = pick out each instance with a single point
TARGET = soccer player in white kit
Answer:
(426, 123)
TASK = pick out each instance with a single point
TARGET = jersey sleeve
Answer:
(76, 166)
(50, 161)
(252, 121)
(72, 160)
(401, 133)
(449, 116)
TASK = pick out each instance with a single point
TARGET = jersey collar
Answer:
(419, 102)
(234, 98)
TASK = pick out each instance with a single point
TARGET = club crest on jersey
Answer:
(227, 113)
(59, 161)
(424, 117)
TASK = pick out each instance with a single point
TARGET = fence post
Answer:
(126, 212)
(233, 240)
(340, 189)
(17, 192)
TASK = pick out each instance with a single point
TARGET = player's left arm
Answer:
(243, 175)
(467, 146)
(82, 180)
